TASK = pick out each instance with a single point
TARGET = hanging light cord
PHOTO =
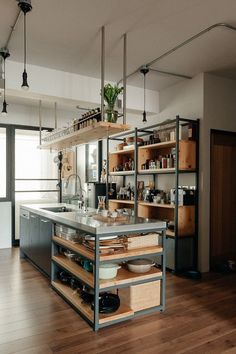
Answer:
(24, 41)
(4, 82)
(144, 92)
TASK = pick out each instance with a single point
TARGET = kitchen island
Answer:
(133, 293)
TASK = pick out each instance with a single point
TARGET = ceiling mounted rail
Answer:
(172, 50)
(13, 27)
(171, 74)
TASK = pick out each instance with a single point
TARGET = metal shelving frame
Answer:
(96, 261)
(142, 132)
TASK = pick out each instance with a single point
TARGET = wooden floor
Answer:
(200, 317)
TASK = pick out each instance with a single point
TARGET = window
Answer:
(92, 162)
(36, 173)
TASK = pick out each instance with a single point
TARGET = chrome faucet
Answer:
(78, 191)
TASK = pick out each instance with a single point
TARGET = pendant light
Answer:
(4, 54)
(25, 6)
(144, 70)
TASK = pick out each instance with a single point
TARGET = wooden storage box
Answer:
(187, 155)
(142, 241)
(142, 296)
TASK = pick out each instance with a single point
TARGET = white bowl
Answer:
(140, 265)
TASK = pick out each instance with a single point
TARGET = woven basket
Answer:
(137, 241)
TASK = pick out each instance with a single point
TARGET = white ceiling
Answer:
(65, 35)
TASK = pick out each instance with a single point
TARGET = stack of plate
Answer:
(107, 244)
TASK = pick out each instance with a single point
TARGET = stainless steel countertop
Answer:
(88, 224)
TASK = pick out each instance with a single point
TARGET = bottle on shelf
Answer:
(128, 194)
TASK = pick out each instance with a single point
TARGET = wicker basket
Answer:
(138, 241)
(143, 296)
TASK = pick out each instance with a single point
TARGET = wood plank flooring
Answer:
(200, 317)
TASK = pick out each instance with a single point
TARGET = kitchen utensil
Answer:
(87, 265)
(101, 203)
(108, 303)
(75, 284)
(69, 255)
(64, 277)
(108, 270)
(105, 213)
(114, 214)
(140, 265)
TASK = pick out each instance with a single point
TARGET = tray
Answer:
(109, 219)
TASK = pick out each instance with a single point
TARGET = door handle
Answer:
(45, 221)
(33, 216)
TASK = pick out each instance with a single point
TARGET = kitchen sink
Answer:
(61, 209)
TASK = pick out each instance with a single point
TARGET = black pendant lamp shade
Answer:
(25, 6)
(144, 70)
(4, 54)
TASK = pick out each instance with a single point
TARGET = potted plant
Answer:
(110, 96)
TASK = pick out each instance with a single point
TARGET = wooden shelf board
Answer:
(155, 205)
(118, 255)
(167, 206)
(74, 247)
(121, 201)
(74, 269)
(156, 171)
(164, 144)
(132, 253)
(123, 152)
(74, 299)
(125, 276)
(122, 312)
(170, 233)
(121, 173)
(94, 132)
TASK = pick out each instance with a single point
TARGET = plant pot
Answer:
(111, 116)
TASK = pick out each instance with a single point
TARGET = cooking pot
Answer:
(108, 270)
(108, 303)
(64, 277)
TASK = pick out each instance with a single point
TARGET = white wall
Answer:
(23, 114)
(219, 113)
(212, 100)
(82, 89)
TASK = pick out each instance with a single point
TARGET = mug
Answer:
(87, 265)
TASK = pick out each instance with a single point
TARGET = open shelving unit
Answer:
(182, 242)
(94, 132)
(124, 280)
(124, 312)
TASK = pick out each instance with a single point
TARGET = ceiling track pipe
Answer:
(180, 45)
(171, 74)
(13, 27)
(102, 70)
(124, 76)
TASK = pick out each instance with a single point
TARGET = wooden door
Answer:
(223, 197)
